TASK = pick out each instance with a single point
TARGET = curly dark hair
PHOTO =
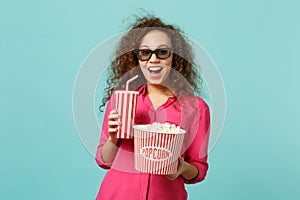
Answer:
(125, 63)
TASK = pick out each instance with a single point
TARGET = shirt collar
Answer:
(142, 89)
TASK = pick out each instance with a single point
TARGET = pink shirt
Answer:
(122, 181)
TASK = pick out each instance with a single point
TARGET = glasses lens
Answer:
(144, 54)
(163, 53)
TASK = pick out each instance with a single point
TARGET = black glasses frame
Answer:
(136, 51)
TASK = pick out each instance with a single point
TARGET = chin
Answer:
(156, 82)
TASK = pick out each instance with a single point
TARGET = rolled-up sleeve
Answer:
(197, 152)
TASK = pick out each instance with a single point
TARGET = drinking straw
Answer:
(130, 80)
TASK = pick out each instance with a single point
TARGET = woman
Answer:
(162, 58)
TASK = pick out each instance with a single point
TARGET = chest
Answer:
(157, 101)
(166, 111)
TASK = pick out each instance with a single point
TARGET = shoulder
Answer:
(194, 101)
(193, 106)
(203, 107)
(201, 103)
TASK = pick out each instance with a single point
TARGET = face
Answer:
(156, 70)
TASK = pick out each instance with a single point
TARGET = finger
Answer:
(114, 123)
(113, 116)
(112, 130)
(114, 111)
(180, 161)
(172, 176)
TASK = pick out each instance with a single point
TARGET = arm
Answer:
(108, 147)
(194, 166)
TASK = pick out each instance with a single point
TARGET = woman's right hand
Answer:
(113, 125)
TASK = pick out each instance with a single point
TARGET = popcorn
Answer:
(163, 128)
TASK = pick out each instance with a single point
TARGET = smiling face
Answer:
(156, 70)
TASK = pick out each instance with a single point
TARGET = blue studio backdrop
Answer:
(255, 45)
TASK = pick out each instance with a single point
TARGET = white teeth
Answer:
(154, 68)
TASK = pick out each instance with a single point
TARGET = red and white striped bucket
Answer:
(126, 105)
(156, 152)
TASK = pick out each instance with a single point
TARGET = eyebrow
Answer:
(162, 45)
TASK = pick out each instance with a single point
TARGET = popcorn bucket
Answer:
(126, 105)
(156, 152)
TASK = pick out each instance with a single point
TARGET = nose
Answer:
(153, 58)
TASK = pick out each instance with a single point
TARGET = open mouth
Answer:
(155, 70)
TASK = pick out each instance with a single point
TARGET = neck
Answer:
(159, 90)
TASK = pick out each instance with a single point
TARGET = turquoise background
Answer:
(255, 45)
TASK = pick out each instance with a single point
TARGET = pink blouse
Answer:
(122, 181)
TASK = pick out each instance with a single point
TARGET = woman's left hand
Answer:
(180, 169)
